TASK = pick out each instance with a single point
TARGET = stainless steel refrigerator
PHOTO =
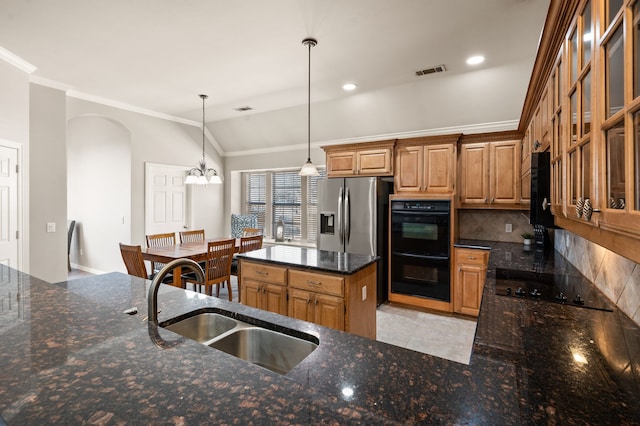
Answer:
(353, 217)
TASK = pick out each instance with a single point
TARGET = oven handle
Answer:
(414, 213)
(420, 256)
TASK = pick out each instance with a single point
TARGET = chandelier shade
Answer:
(202, 175)
(308, 168)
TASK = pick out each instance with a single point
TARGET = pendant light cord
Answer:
(203, 99)
(309, 106)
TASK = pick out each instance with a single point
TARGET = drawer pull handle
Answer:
(264, 274)
(471, 257)
(314, 283)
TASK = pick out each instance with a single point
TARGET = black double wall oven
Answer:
(420, 248)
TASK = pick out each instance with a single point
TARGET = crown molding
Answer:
(16, 61)
(500, 126)
(127, 107)
(49, 83)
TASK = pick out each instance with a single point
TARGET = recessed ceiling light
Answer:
(349, 86)
(475, 60)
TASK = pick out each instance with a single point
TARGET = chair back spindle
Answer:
(160, 240)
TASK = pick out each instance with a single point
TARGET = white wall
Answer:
(14, 126)
(48, 177)
(99, 190)
(161, 141)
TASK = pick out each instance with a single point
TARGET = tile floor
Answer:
(444, 336)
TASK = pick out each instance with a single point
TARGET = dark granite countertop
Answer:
(70, 356)
(309, 258)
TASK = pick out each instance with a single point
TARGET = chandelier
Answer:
(202, 175)
(308, 169)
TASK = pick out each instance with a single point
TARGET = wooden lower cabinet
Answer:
(264, 287)
(342, 302)
(318, 308)
(469, 278)
(270, 297)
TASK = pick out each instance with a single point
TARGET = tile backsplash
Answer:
(490, 225)
(616, 276)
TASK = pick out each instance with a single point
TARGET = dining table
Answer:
(196, 251)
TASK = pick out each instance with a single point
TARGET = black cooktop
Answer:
(574, 290)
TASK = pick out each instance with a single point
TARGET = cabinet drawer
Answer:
(264, 273)
(320, 283)
(466, 256)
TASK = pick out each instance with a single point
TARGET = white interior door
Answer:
(166, 199)
(8, 206)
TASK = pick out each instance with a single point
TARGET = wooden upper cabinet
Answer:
(341, 163)
(525, 168)
(409, 165)
(504, 176)
(365, 159)
(474, 173)
(490, 174)
(426, 164)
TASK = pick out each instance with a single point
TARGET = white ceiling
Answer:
(159, 55)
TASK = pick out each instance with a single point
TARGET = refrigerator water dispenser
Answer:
(327, 223)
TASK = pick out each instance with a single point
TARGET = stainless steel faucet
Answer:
(152, 297)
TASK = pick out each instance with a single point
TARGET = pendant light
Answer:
(201, 175)
(308, 169)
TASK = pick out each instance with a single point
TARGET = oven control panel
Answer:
(421, 205)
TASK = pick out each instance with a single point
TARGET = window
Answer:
(255, 199)
(275, 195)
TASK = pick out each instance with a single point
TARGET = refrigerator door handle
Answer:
(347, 216)
(339, 224)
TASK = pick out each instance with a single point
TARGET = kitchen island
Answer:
(333, 289)
(69, 355)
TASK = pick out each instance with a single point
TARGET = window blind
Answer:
(286, 196)
(274, 195)
(312, 206)
(256, 196)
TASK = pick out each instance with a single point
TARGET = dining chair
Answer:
(249, 232)
(160, 240)
(132, 257)
(217, 267)
(248, 243)
(192, 236)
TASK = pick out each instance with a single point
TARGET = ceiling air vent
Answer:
(243, 109)
(437, 68)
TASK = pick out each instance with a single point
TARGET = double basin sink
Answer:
(274, 350)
